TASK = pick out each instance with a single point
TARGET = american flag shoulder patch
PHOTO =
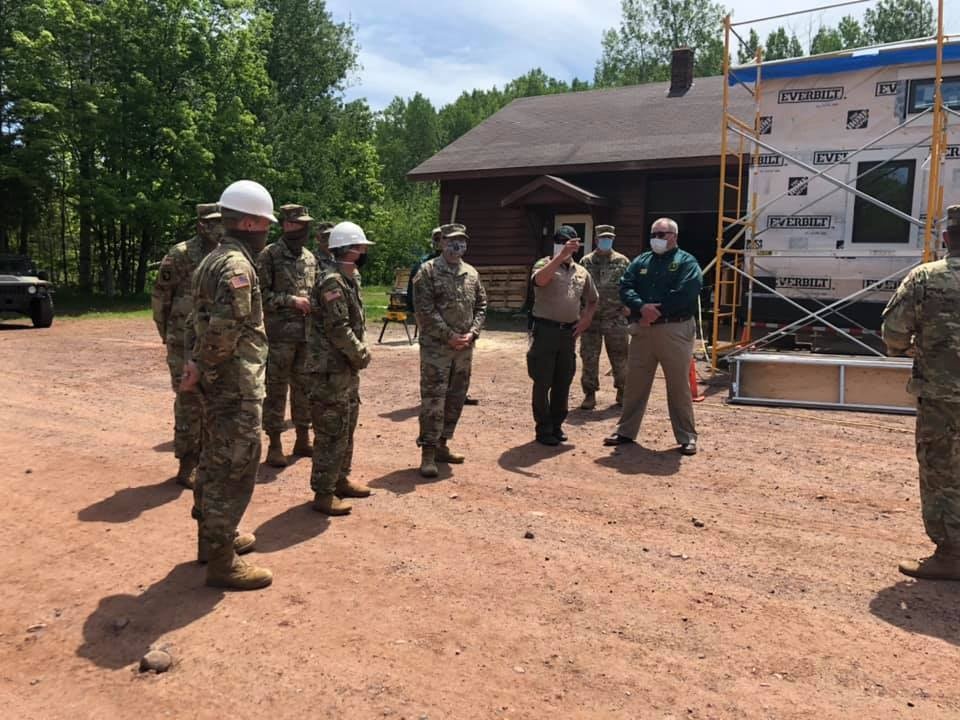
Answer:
(239, 281)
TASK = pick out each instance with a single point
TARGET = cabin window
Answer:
(892, 183)
(921, 94)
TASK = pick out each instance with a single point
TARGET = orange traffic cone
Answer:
(694, 388)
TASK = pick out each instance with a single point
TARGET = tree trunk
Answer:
(146, 248)
(22, 245)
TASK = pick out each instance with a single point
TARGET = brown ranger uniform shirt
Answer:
(561, 299)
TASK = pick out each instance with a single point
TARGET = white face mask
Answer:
(659, 245)
(557, 248)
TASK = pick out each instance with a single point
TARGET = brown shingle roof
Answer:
(634, 126)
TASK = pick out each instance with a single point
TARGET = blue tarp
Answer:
(864, 60)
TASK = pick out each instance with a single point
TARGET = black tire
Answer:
(41, 313)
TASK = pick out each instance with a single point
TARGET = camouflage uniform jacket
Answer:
(335, 338)
(283, 276)
(450, 300)
(172, 299)
(606, 271)
(925, 313)
(228, 341)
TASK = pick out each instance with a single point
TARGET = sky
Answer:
(442, 48)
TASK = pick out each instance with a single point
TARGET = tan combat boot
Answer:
(242, 544)
(942, 565)
(331, 505)
(444, 454)
(187, 472)
(275, 456)
(303, 448)
(428, 462)
(589, 401)
(226, 570)
(347, 489)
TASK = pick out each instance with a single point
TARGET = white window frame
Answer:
(586, 219)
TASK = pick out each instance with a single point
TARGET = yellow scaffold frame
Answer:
(734, 267)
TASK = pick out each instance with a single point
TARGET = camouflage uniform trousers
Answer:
(335, 406)
(613, 334)
(187, 410)
(938, 454)
(285, 367)
(228, 464)
(444, 382)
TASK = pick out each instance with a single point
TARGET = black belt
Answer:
(554, 323)
(673, 319)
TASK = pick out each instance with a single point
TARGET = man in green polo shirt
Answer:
(561, 287)
(660, 288)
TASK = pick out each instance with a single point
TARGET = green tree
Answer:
(826, 40)
(640, 49)
(780, 46)
(852, 34)
(748, 52)
(896, 20)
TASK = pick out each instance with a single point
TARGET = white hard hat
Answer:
(248, 197)
(347, 233)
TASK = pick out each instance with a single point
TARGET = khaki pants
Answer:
(669, 345)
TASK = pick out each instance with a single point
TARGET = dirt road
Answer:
(428, 602)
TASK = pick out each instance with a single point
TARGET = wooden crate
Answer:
(506, 286)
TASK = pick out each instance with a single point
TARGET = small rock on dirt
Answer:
(120, 623)
(528, 535)
(519, 669)
(454, 496)
(156, 661)
(36, 627)
(697, 523)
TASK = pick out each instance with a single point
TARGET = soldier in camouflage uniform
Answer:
(336, 355)
(172, 301)
(924, 315)
(227, 349)
(323, 241)
(287, 273)
(606, 266)
(451, 307)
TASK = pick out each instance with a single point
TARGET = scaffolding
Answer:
(738, 256)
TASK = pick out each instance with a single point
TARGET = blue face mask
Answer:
(605, 244)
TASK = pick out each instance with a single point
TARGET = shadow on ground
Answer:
(929, 607)
(406, 481)
(164, 447)
(608, 414)
(291, 527)
(128, 504)
(529, 454)
(123, 627)
(401, 414)
(634, 459)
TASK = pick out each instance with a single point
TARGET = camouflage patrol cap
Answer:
(324, 228)
(454, 230)
(437, 232)
(294, 213)
(208, 211)
(953, 217)
(605, 231)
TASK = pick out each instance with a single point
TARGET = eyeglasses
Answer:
(660, 234)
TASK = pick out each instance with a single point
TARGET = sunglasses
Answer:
(660, 234)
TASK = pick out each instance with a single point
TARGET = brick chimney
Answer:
(681, 71)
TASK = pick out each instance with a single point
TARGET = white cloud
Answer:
(438, 78)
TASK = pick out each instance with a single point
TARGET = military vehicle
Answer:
(25, 290)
